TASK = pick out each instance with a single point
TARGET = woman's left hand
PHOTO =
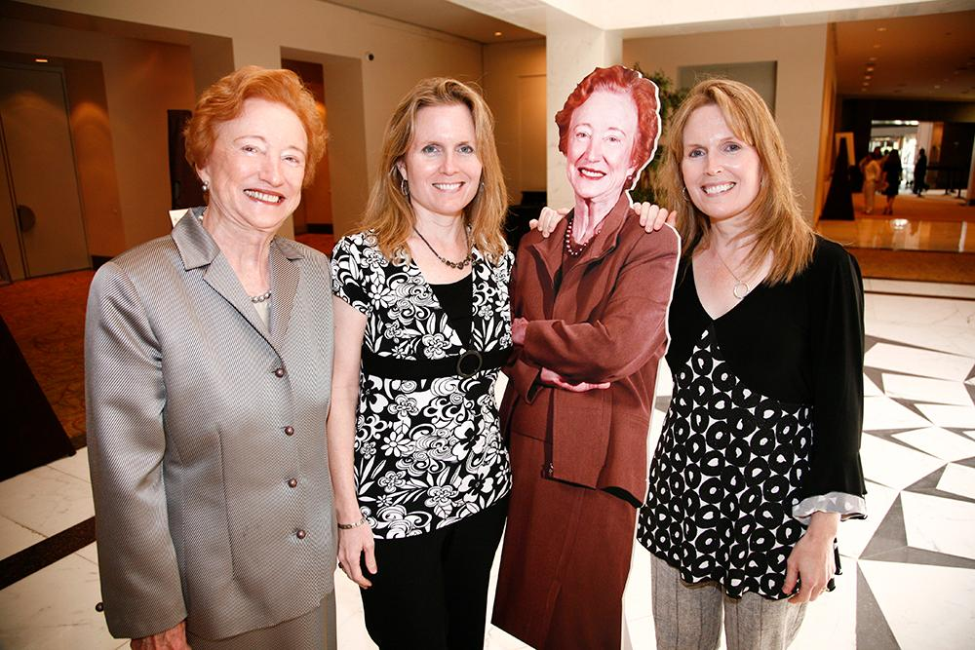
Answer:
(811, 563)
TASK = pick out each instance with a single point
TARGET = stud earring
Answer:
(404, 187)
(206, 187)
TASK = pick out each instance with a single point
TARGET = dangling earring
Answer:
(683, 194)
(404, 187)
(206, 187)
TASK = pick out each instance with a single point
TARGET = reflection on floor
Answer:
(909, 569)
(936, 222)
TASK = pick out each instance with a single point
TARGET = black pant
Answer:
(431, 590)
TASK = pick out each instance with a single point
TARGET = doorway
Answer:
(42, 228)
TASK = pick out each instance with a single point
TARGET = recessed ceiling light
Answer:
(873, 58)
(881, 29)
(937, 86)
(498, 34)
(40, 60)
(876, 46)
(870, 68)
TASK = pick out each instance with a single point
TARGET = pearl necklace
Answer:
(262, 297)
(573, 249)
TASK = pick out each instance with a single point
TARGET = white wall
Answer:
(801, 56)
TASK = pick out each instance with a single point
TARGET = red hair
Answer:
(224, 101)
(620, 80)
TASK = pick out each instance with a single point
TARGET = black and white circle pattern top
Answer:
(724, 479)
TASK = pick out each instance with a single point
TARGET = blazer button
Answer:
(293, 483)
(279, 372)
(289, 431)
(300, 534)
(99, 607)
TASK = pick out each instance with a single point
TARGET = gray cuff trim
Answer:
(850, 506)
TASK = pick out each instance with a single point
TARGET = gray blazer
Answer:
(206, 436)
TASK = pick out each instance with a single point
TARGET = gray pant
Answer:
(688, 617)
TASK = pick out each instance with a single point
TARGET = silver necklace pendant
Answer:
(742, 287)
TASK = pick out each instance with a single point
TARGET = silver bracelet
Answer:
(355, 525)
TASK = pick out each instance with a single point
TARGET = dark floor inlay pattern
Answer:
(44, 553)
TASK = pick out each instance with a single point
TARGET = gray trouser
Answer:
(688, 617)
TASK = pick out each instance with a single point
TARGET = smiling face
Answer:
(441, 164)
(256, 167)
(722, 173)
(600, 145)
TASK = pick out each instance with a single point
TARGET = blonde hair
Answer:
(389, 214)
(224, 101)
(776, 224)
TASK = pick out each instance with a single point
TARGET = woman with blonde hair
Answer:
(759, 456)
(422, 323)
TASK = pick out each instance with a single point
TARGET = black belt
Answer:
(466, 365)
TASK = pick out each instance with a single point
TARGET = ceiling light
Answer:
(40, 60)
(873, 58)
(498, 34)
(881, 29)
(937, 86)
(870, 68)
(868, 76)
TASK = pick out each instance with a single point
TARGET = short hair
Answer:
(389, 214)
(224, 101)
(777, 223)
(618, 79)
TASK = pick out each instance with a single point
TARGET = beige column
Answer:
(573, 48)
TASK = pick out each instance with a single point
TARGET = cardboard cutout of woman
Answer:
(589, 312)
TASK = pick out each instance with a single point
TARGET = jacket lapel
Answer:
(199, 251)
(548, 250)
(284, 286)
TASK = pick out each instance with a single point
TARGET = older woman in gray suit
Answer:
(208, 363)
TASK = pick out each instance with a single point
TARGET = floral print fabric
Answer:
(428, 452)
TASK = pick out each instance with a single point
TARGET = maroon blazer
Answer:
(606, 322)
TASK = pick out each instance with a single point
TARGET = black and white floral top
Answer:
(428, 452)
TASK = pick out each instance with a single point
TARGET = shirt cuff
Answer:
(850, 506)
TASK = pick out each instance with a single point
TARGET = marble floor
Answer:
(909, 569)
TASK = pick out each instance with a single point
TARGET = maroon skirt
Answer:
(565, 560)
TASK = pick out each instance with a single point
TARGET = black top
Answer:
(455, 299)
(801, 343)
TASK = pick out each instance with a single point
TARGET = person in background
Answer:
(872, 175)
(422, 315)
(589, 306)
(759, 456)
(920, 173)
(208, 357)
(892, 171)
